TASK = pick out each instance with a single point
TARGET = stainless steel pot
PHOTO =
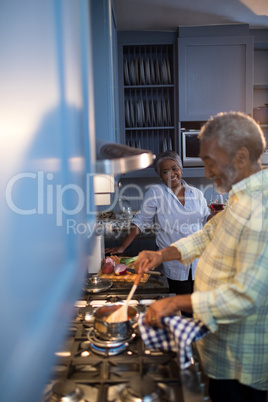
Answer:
(114, 331)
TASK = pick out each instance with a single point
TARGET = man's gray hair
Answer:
(164, 156)
(233, 131)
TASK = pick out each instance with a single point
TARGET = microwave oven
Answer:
(190, 149)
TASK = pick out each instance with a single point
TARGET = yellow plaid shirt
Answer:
(231, 285)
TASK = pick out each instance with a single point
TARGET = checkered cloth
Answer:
(177, 336)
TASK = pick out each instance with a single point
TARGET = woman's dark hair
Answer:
(164, 156)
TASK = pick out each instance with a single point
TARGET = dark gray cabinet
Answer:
(215, 75)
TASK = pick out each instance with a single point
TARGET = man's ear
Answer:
(242, 158)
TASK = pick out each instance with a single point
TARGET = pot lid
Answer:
(95, 284)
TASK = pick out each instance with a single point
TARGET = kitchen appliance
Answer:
(115, 158)
(264, 157)
(260, 114)
(92, 369)
(190, 148)
(96, 258)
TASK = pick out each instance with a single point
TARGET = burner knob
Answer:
(67, 391)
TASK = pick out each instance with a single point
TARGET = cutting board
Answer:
(127, 277)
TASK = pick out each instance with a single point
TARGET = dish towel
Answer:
(177, 336)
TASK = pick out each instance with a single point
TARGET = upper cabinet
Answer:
(215, 75)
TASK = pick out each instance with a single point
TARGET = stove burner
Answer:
(113, 299)
(86, 313)
(142, 389)
(66, 391)
(107, 344)
(107, 348)
(108, 351)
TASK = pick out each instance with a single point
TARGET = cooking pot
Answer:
(260, 114)
(117, 330)
(95, 284)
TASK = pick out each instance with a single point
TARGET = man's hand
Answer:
(150, 259)
(147, 260)
(167, 307)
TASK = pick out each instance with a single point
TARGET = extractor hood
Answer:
(115, 158)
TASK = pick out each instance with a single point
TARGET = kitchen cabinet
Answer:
(260, 88)
(211, 69)
(105, 73)
(260, 94)
(215, 75)
(148, 90)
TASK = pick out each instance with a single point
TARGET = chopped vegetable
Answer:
(110, 259)
(120, 269)
(128, 260)
(107, 267)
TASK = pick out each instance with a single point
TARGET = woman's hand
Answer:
(167, 307)
(114, 250)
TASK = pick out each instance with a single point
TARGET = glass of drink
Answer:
(216, 203)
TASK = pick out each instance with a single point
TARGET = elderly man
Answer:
(231, 285)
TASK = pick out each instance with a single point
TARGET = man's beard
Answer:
(229, 178)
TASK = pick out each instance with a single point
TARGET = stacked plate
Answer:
(166, 145)
(140, 71)
(140, 114)
(126, 73)
(132, 72)
(147, 113)
(143, 77)
(129, 113)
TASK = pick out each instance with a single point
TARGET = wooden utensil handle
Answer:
(138, 278)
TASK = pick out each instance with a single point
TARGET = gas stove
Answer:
(89, 369)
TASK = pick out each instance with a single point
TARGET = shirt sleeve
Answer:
(248, 286)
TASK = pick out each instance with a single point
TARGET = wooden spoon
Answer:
(121, 314)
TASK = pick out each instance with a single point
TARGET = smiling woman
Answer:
(177, 210)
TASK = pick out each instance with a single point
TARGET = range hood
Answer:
(115, 158)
